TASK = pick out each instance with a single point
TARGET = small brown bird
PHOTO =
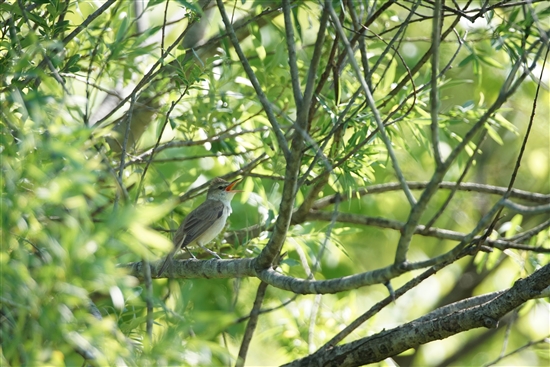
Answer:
(204, 223)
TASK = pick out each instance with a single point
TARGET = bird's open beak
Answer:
(229, 187)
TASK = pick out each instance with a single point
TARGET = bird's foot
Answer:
(211, 252)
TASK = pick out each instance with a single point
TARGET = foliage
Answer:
(112, 125)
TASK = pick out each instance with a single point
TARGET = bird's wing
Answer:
(197, 222)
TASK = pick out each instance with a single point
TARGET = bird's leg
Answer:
(192, 256)
(210, 251)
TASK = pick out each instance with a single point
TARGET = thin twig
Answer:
(372, 104)
(469, 163)
(86, 116)
(509, 87)
(380, 305)
(267, 310)
(153, 71)
(545, 340)
(420, 63)
(148, 299)
(73, 34)
(529, 210)
(523, 236)
(292, 62)
(251, 326)
(434, 91)
(447, 185)
(189, 143)
(164, 26)
(166, 119)
(254, 80)
(507, 203)
(421, 230)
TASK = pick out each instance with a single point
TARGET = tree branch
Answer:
(434, 91)
(281, 140)
(416, 185)
(291, 46)
(371, 103)
(251, 326)
(389, 343)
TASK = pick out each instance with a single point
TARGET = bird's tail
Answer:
(167, 261)
(178, 243)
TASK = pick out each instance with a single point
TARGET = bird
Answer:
(206, 221)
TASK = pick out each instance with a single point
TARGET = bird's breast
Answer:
(215, 228)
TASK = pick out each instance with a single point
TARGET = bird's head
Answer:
(222, 190)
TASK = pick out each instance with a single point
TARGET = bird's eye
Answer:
(220, 187)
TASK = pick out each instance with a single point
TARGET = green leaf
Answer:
(152, 3)
(122, 30)
(466, 60)
(490, 61)
(494, 134)
(297, 25)
(500, 120)
(513, 226)
(290, 262)
(191, 6)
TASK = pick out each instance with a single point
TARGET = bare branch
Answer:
(522, 209)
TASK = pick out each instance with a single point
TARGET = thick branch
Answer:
(240, 268)
(390, 343)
